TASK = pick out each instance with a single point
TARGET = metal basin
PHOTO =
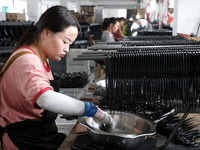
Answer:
(130, 130)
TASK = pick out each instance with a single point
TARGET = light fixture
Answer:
(131, 19)
(138, 15)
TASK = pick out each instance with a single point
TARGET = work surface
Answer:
(79, 137)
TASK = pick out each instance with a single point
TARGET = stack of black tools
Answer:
(74, 80)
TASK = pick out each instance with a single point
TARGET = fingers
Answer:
(110, 121)
(104, 120)
(106, 123)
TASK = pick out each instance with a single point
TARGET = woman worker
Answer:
(28, 103)
(109, 26)
(118, 35)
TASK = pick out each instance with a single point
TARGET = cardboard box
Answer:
(91, 10)
(86, 10)
(141, 12)
(15, 17)
(90, 19)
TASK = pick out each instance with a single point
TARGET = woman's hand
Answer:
(105, 121)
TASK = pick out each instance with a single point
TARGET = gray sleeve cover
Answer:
(60, 103)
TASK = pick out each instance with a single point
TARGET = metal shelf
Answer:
(14, 23)
(6, 49)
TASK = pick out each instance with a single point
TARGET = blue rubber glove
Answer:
(90, 109)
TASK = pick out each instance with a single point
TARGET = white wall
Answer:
(114, 13)
(72, 5)
(21, 6)
(34, 8)
(186, 16)
(8, 3)
(86, 2)
(99, 14)
(113, 4)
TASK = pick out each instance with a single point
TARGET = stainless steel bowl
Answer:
(130, 130)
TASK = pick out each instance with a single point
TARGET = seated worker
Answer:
(119, 34)
(109, 26)
(28, 103)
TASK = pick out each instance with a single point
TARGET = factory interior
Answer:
(142, 73)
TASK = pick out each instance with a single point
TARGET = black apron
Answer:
(35, 134)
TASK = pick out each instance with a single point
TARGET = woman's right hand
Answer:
(105, 121)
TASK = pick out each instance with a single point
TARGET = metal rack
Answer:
(7, 49)
(5, 27)
(109, 51)
(102, 51)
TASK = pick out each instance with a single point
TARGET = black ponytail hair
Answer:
(108, 21)
(121, 18)
(105, 23)
(56, 19)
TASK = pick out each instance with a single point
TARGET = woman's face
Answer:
(121, 23)
(115, 27)
(56, 45)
